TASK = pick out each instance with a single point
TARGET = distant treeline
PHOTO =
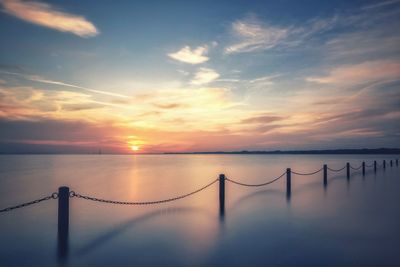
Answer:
(387, 151)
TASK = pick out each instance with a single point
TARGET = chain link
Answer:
(307, 173)
(52, 196)
(255, 185)
(73, 194)
(337, 170)
(353, 168)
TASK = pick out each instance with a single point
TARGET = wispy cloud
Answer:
(36, 78)
(46, 15)
(27, 102)
(263, 119)
(265, 79)
(381, 4)
(376, 41)
(253, 35)
(371, 71)
(169, 105)
(191, 56)
(204, 76)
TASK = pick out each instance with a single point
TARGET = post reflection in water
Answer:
(136, 221)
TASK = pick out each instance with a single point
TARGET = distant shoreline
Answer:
(364, 151)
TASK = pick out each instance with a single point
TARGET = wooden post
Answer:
(374, 165)
(222, 194)
(63, 222)
(397, 162)
(348, 170)
(288, 183)
(391, 163)
(363, 168)
(325, 175)
(384, 164)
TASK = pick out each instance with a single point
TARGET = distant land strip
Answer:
(386, 151)
(363, 151)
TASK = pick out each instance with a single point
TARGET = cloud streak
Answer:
(39, 79)
(254, 36)
(251, 34)
(47, 16)
(381, 4)
(371, 71)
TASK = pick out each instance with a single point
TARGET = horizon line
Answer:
(342, 151)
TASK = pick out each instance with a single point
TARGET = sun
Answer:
(135, 148)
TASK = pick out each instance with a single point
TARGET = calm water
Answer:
(353, 223)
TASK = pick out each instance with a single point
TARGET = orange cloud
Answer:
(370, 71)
(45, 15)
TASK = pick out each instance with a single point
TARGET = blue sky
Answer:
(198, 75)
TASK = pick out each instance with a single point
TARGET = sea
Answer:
(346, 221)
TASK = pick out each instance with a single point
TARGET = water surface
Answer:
(348, 223)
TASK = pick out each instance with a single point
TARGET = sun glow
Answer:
(135, 148)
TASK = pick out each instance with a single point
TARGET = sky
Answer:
(184, 76)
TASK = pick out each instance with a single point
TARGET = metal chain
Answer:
(337, 170)
(73, 194)
(307, 173)
(52, 196)
(356, 168)
(255, 185)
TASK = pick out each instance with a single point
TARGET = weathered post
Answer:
(363, 168)
(221, 194)
(348, 170)
(397, 162)
(288, 183)
(63, 221)
(325, 175)
(391, 163)
(384, 164)
(374, 165)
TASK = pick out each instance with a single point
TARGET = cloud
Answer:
(372, 42)
(45, 15)
(254, 35)
(183, 72)
(36, 78)
(169, 105)
(381, 4)
(57, 136)
(263, 119)
(371, 71)
(204, 75)
(27, 103)
(195, 108)
(191, 56)
(265, 79)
